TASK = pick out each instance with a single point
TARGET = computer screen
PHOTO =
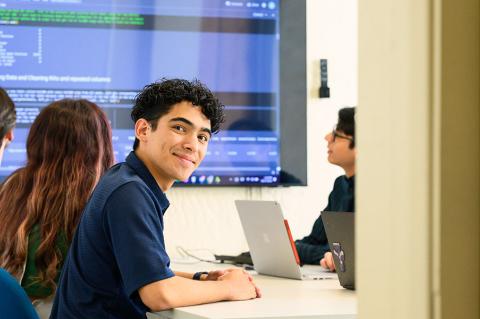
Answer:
(106, 51)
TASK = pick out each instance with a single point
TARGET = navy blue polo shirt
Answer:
(118, 247)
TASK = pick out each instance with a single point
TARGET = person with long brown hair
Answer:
(69, 147)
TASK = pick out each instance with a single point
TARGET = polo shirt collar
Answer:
(134, 162)
(350, 181)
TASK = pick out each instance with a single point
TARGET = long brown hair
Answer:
(69, 147)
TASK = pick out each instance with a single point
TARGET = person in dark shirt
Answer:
(314, 249)
(117, 265)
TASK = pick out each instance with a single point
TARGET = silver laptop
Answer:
(269, 243)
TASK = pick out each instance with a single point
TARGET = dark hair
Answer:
(8, 116)
(346, 122)
(157, 99)
(69, 147)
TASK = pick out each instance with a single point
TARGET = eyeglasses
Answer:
(336, 135)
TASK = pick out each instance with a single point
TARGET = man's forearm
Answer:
(311, 254)
(180, 291)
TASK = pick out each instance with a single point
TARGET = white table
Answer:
(281, 298)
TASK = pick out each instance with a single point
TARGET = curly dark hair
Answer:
(346, 122)
(156, 100)
(8, 116)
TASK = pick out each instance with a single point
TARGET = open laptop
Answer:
(340, 230)
(269, 242)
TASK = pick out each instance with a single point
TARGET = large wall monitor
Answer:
(250, 53)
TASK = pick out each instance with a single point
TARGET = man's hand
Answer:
(180, 290)
(240, 284)
(327, 261)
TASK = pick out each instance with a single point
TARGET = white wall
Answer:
(201, 218)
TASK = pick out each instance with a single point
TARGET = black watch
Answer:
(198, 275)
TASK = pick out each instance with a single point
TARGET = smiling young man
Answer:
(314, 249)
(117, 266)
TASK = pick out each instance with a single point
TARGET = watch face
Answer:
(198, 275)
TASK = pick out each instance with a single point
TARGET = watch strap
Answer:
(198, 275)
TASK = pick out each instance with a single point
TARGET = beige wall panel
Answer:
(393, 193)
